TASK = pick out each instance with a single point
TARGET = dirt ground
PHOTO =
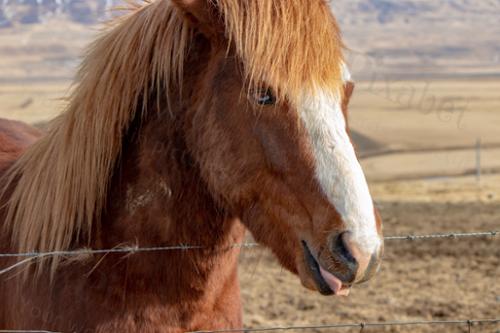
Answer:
(419, 280)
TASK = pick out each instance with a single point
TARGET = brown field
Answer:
(419, 280)
(417, 138)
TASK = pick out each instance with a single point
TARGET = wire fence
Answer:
(184, 247)
(32, 331)
(30, 256)
(470, 323)
(33, 256)
(455, 235)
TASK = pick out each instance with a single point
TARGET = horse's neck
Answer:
(158, 199)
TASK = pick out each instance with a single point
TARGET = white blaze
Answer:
(337, 168)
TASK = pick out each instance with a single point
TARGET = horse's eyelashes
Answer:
(265, 97)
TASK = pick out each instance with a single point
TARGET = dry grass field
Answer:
(417, 139)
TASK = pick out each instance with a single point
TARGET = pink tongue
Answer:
(334, 283)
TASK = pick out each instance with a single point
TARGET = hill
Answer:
(422, 38)
(394, 38)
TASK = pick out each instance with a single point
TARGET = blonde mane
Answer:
(60, 184)
(62, 181)
(293, 46)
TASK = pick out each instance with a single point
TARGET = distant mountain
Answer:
(36, 11)
(350, 11)
(423, 37)
(396, 37)
(387, 11)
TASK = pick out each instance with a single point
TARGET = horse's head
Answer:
(268, 129)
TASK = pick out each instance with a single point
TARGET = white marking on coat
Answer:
(337, 168)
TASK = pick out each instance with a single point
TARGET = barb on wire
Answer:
(182, 247)
(469, 322)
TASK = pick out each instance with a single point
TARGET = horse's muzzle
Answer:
(341, 264)
(352, 264)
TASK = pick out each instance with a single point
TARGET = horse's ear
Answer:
(200, 13)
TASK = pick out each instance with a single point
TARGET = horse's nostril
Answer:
(353, 263)
(340, 248)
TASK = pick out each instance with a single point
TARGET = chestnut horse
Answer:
(191, 121)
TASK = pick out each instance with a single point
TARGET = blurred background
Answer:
(426, 121)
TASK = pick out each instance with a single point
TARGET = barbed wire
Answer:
(362, 326)
(455, 235)
(28, 331)
(29, 256)
(33, 256)
(184, 247)
(125, 249)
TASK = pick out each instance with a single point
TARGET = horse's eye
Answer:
(265, 97)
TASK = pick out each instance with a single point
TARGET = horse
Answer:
(190, 122)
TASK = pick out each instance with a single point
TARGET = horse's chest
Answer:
(221, 314)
